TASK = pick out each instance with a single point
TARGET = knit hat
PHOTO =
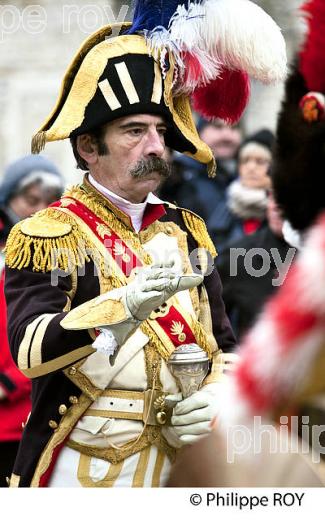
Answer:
(33, 167)
(169, 55)
(263, 137)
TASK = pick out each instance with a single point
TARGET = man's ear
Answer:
(87, 149)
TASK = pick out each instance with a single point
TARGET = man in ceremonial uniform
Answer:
(103, 285)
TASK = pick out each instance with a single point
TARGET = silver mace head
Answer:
(189, 364)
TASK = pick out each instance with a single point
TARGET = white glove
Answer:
(122, 310)
(193, 417)
(154, 285)
(151, 287)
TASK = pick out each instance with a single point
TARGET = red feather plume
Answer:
(312, 55)
(223, 98)
(193, 70)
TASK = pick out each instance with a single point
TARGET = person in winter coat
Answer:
(253, 268)
(29, 184)
(244, 210)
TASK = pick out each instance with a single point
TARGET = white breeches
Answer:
(149, 468)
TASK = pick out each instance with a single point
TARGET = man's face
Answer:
(33, 198)
(222, 139)
(134, 165)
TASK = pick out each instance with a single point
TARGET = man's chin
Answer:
(144, 186)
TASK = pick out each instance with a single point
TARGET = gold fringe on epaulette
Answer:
(212, 168)
(38, 142)
(47, 254)
(198, 230)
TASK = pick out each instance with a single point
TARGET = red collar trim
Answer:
(152, 213)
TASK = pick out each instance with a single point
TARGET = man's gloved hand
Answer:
(154, 285)
(122, 310)
(193, 417)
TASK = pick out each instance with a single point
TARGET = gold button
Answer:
(161, 417)
(72, 371)
(63, 409)
(53, 424)
(73, 399)
(169, 230)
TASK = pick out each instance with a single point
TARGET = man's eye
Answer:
(162, 131)
(135, 131)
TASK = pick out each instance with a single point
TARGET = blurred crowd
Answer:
(240, 212)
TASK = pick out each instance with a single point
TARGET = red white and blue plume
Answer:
(216, 45)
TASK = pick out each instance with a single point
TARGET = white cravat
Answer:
(134, 211)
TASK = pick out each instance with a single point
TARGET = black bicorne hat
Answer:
(158, 63)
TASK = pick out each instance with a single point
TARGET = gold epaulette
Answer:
(46, 241)
(198, 230)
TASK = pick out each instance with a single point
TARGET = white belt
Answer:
(147, 406)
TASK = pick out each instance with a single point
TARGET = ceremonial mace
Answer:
(189, 365)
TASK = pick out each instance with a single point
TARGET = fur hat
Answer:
(299, 159)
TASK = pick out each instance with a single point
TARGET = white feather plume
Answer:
(237, 33)
(160, 38)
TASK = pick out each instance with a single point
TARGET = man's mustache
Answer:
(147, 166)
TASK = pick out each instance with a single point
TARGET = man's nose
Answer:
(155, 144)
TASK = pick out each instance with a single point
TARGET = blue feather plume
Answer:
(149, 14)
